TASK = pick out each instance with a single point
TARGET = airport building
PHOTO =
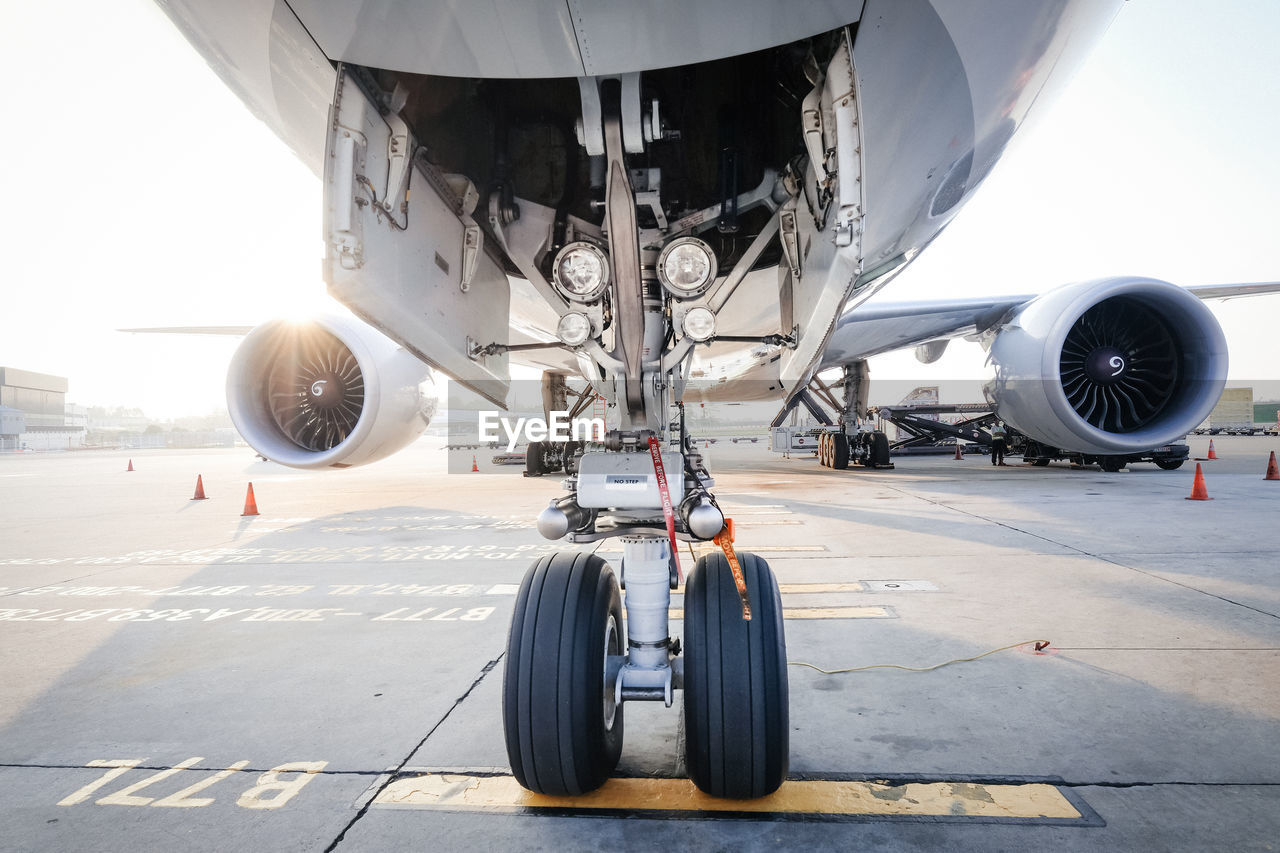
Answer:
(33, 412)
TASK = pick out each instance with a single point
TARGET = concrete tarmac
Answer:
(326, 675)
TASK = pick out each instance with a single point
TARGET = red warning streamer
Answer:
(668, 513)
(725, 540)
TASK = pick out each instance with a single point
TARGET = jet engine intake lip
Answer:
(267, 362)
(1031, 389)
(1201, 360)
(327, 392)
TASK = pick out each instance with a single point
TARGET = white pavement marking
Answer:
(270, 791)
(246, 614)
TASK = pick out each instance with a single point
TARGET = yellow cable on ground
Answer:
(1040, 645)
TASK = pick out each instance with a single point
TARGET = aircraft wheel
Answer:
(824, 449)
(562, 726)
(735, 680)
(840, 452)
(1169, 464)
(534, 465)
(1111, 464)
(1040, 462)
(880, 449)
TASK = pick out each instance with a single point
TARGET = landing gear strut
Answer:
(633, 315)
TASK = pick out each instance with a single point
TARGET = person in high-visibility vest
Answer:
(999, 443)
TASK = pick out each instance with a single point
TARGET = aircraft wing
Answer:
(232, 331)
(876, 328)
(1229, 291)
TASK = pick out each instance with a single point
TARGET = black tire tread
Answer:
(551, 697)
(736, 714)
(840, 452)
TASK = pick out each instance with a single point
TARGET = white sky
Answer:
(139, 192)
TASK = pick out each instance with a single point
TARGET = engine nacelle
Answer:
(328, 392)
(1116, 365)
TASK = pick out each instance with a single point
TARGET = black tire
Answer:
(1169, 464)
(534, 466)
(880, 449)
(840, 451)
(735, 681)
(1112, 464)
(563, 733)
(1040, 463)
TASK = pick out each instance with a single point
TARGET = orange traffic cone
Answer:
(1212, 454)
(474, 467)
(1198, 491)
(959, 451)
(250, 505)
(199, 495)
(130, 468)
(1273, 471)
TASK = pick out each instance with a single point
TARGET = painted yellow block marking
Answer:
(867, 612)
(706, 548)
(788, 588)
(934, 799)
(807, 588)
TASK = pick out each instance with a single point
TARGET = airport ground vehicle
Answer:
(1167, 457)
(925, 432)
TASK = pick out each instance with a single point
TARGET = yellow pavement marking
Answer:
(806, 588)
(917, 799)
(711, 549)
(794, 588)
(865, 612)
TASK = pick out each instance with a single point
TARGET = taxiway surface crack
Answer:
(392, 774)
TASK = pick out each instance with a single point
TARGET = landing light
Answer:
(700, 324)
(686, 267)
(581, 272)
(573, 329)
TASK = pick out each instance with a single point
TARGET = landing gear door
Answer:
(401, 249)
(828, 235)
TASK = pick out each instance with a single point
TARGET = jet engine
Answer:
(1112, 366)
(330, 392)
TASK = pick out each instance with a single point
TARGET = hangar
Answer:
(33, 412)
